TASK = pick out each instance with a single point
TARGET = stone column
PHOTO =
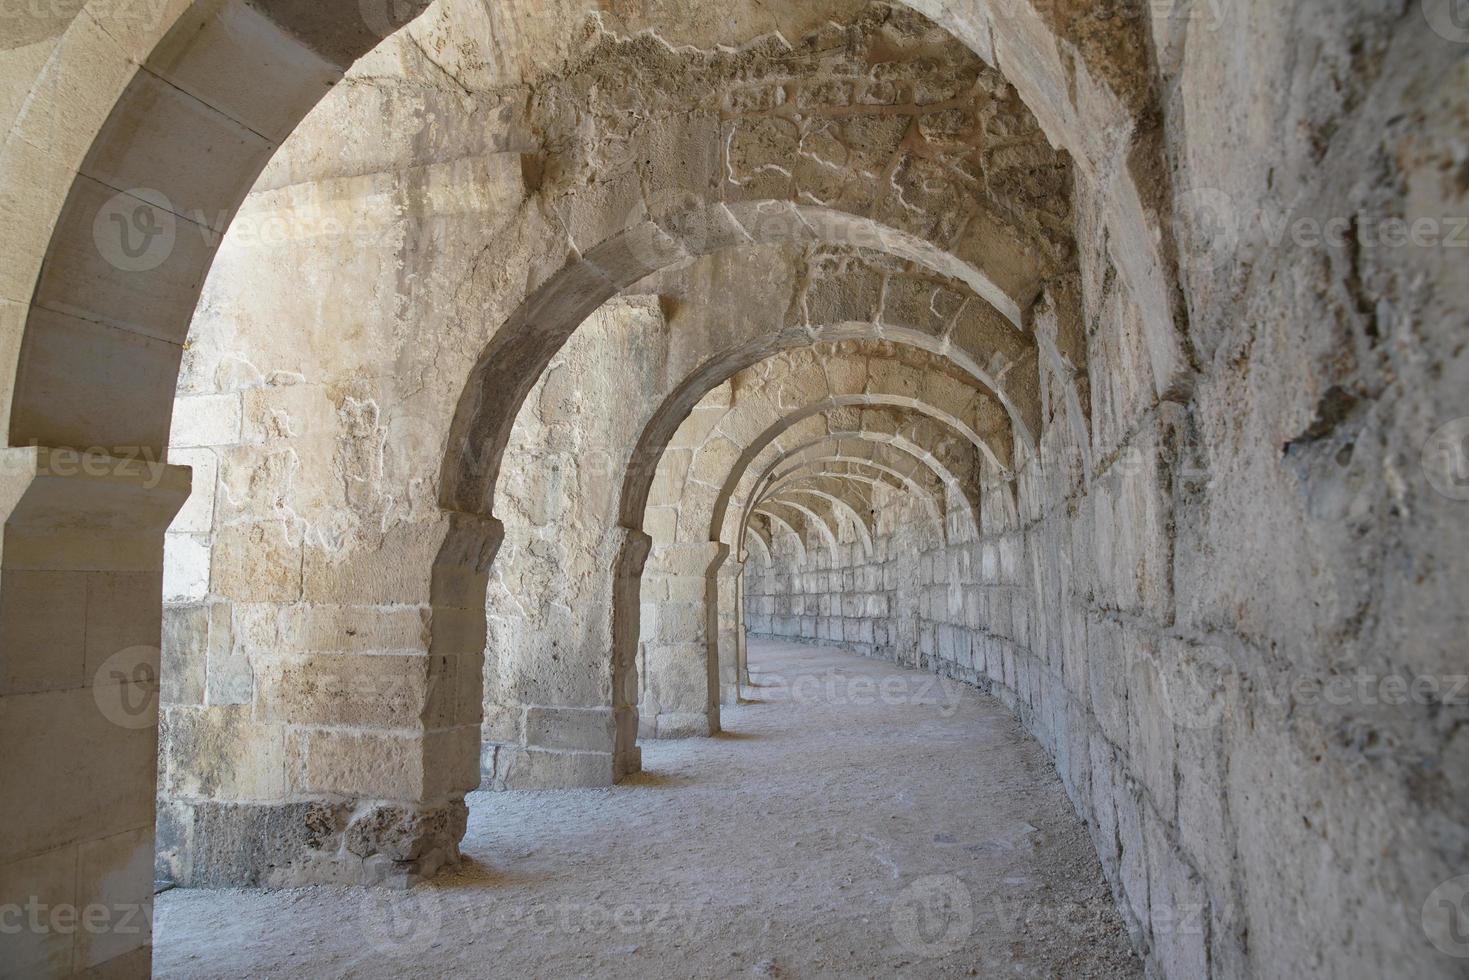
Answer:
(331, 736)
(681, 673)
(567, 711)
(728, 632)
(81, 589)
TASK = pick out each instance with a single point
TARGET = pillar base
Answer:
(282, 845)
(516, 767)
(681, 724)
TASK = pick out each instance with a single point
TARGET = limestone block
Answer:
(68, 374)
(457, 632)
(256, 562)
(64, 103)
(124, 612)
(185, 651)
(222, 753)
(332, 628)
(1151, 745)
(1020, 619)
(371, 690)
(1179, 909)
(678, 676)
(1104, 806)
(206, 420)
(234, 58)
(1203, 826)
(1077, 652)
(230, 671)
(50, 879)
(678, 623)
(186, 563)
(43, 631)
(279, 412)
(209, 844)
(831, 301)
(370, 764)
(516, 768)
(139, 147)
(197, 514)
(705, 230)
(1107, 679)
(57, 733)
(632, 255)
(569, 729)
(1078, 735)
(660, 523)
(920, 304)
(1133, 858)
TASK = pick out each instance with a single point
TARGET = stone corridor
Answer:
(420, 417)
(854, 819)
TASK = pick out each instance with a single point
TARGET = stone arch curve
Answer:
(794, 514)
(927, 477)
(507, 368)
(864, 452)
(840, 493)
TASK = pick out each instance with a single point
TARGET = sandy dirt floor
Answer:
(855, 820)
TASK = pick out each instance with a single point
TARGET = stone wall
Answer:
(548, 671)
(1213, 608)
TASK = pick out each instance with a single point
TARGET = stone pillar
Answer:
(331, 736)
(680, 670)
(728, 632)
(81, 591)
(577, 725)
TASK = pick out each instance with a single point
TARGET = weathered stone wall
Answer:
(548, 670)
(1213, 611)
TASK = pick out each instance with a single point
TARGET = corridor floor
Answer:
(856, 819)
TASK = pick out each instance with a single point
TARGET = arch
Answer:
(864, 453)
(837, 493)
(756, 475)
(955, 345)
(774, 431)
(783, 521)
(759, 539)
(794, 514)
(1046, 55)
(513, 359)
(99, 345)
